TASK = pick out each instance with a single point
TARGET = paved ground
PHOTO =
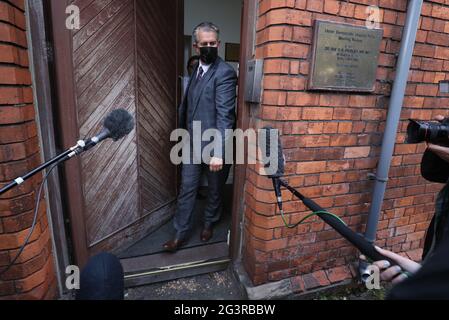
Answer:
(224, 286)
(359, 293)
(214, 286)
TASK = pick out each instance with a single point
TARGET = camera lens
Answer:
(433, 132)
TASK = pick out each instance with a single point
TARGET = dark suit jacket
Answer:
(213, 102)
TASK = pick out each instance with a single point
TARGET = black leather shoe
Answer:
(206, 234)
(173, 245)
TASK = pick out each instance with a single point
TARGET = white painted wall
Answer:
(226, 14)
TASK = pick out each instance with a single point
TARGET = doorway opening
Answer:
(144, 260)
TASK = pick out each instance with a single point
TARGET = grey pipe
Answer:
(394, 114)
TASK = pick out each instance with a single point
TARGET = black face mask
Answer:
(208, 54)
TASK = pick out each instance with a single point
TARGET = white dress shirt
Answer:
(205, 68)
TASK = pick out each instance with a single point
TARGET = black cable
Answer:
(33, 225)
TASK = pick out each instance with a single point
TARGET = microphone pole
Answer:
(354, 238)
(338, 225)
(116, 125)
(70, 153)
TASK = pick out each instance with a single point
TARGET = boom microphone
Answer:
(274, 157)
(354, 238)
(116, 125)
(275, 152)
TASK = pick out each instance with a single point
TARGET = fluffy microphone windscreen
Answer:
(273, 158)
(119, 123)
(102, 279)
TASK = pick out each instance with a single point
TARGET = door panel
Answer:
(104, 80)
(125, 55)
(156, 90)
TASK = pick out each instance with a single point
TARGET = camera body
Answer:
(433, 168)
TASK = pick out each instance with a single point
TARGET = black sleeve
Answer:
(225, 105)
(433, 168)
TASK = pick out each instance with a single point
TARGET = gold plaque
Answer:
(345, 57)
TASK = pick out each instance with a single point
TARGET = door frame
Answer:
(71, 186)
(247, 40)
(40, 52)
(64, 86)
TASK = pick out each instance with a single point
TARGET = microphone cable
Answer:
(313, 214)
(34, 223)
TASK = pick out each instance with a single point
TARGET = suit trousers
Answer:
(190, 182)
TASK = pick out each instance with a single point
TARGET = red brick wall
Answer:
(332, 141)
(33, 276)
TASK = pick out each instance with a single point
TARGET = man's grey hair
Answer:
(205, 27)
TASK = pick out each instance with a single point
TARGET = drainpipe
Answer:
(394, 114)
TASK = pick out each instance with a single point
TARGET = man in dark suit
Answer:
(209, 101)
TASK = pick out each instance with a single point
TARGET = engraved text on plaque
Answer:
(345, 57)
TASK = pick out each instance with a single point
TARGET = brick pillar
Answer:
(332, 142)
(33, 275)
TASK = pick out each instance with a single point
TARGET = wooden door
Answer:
(125, 55)
(157, 90)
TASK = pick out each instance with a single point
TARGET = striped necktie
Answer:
(200, 74)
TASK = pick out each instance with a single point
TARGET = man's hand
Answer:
(216, 164)
(396, 273)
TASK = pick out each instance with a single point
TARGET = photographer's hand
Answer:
(396, 273)
(442, 152)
